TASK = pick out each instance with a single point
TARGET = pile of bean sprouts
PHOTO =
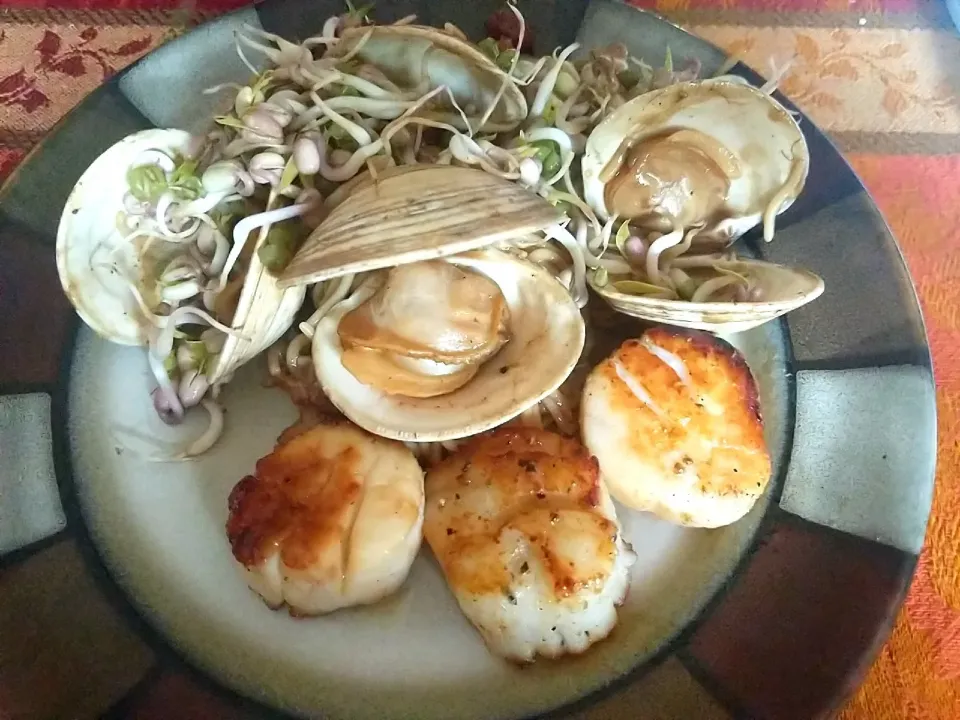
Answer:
(315, 122)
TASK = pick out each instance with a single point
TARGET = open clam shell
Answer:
(783, 290)
(265, 311)
(92, 254)
(93, 257)
(415, 213)
(415, 56)
(547, 336)
(750, 129)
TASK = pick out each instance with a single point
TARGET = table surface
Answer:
(882, 77)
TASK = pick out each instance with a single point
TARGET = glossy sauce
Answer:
(675, 178)
(426, 331)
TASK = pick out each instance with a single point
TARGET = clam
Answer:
(104, 266)
(264, 313)
(416, 213)
(448, 348)
(92, 257)
(418, 58)
(719, 155)
(740, 294)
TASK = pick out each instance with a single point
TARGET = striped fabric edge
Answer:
(929, 15)
(905, 14)
(104, 17)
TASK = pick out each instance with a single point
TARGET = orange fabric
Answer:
(917, 676)
(862, 85)
(881, 76)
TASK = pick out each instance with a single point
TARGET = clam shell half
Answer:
(785, 289)
(416, 56)
(547, 336)
(750, 124)
(414, 213)
(90, 246)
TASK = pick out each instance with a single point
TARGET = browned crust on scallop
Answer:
(543, 482)
(707, 343)
(298, 502)
(727, 449)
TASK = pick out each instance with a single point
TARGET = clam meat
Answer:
(426, 331)
(448, 348)
(717, 155)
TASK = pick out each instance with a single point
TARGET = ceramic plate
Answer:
(120, 567)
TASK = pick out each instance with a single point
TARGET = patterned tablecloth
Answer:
(882, 77)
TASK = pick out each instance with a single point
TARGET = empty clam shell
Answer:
(94, 256)
(97, 262)
(415, 213)
(784, 289)
(547, 336)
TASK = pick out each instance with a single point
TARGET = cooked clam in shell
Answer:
(419, 58)
(416, 355)
(685, 171)
(718, 155)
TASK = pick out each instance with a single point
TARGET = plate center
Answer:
(160, 529)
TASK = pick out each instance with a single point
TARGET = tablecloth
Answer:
(882, 77)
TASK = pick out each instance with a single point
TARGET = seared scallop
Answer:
(426, 331)
(331, 518)
(674, 420)
(529, 543)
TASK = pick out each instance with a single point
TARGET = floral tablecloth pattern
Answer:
(882, 77)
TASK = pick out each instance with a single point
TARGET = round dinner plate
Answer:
(118, 594)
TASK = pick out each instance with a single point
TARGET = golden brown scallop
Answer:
(529, 542)
(674, 420)
(331, 518)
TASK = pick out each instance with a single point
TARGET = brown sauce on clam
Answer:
(676, 178)
(426, 331)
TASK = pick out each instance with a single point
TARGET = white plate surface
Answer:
(160, 529)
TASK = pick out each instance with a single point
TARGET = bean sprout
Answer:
(789, 187)
(250, 223)
(331, 113)
(209, 437)
(338, 292)
(545, 90)
(653, 253)
(563, 236)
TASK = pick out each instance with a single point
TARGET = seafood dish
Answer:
(674, 422)
(332, 518)
(528, 540)
(408, 228)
